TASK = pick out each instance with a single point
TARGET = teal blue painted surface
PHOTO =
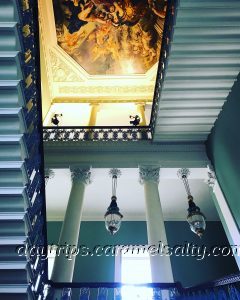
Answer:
(223, 148)
(188, 270)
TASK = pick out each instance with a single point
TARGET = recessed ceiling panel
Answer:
(108, 37)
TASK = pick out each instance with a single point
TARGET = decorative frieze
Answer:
(123, 89)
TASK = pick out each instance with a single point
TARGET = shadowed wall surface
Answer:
(223, 148)
(188, 270)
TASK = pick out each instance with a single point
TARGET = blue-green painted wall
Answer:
(187, 270)
(223, 148)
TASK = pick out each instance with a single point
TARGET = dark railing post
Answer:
(102, 293)
(66, 294)
(84, 293)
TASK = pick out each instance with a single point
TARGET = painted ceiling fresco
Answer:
(108, 37)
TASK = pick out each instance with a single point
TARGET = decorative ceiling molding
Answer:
(107, 91)
(44, 57)
(70, 99)
(61, 70)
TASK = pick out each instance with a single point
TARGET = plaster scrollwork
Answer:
(81, 174)
(61, 71)
(211, 180)
(149, 174)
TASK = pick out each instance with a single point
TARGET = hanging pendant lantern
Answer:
(195, 218)
(113, 217)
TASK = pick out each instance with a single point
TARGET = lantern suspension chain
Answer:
(114, 185)
(186, 185)
(183, 175)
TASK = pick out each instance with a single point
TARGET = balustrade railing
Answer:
(115, 291)
(163, 60)
(96, 133)
(227, 288)
(29, 88)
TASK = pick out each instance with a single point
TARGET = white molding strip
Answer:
(228, 221)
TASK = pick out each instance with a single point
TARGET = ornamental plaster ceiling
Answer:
(69, 77)
(130, 195)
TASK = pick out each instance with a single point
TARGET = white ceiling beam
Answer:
(124, 154)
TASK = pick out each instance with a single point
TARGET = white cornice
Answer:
(124, 154)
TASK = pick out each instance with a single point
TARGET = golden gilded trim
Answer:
(92, 90)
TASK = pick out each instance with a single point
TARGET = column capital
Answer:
(94, 104)
(81, 174)
(211, 180)
(48, 174)
(149, 174)
(140, 104)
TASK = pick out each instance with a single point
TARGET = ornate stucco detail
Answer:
(106, 89)
(61, 71)
(211, 177)
(149, 174)
(97, 100)
(81, 174)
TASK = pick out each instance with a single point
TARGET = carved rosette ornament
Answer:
(211, 177)
(115, 172)
(184, 172)
(81, 174)
(149, 174)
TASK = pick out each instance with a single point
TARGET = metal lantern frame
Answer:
(113, 217)
(195, 218)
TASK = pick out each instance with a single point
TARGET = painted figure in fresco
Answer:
(116, 13)
(111, 36)
(125, 12)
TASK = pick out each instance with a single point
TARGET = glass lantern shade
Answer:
(196, 219)
(113, 217)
